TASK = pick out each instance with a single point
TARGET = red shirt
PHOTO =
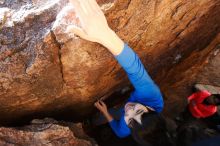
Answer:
(196, 106)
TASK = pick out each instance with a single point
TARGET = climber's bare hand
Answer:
(101, 106)
(94, 26)
(93, 21)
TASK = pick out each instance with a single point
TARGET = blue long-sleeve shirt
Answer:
(146, 91)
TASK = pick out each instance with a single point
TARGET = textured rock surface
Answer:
(44, 133)
(200, 67)
(45, 71)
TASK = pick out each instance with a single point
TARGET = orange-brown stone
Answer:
(47, 71)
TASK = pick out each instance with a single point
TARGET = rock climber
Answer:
(140, 116)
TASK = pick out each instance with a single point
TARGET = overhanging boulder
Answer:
(45, 70)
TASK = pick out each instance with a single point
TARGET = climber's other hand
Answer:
(101, 106)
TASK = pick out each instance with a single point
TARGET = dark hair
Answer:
(213, 99)
(152, 131)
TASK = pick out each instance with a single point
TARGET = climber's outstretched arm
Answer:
(95, 28)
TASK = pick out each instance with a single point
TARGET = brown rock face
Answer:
(200, 67)
(45, 70)
(44, 133)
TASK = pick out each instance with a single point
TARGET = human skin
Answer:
(95, 28)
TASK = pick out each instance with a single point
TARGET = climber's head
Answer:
(134, 111)
(149, 128)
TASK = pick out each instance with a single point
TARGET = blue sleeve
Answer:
(120, 128)
(146, 91)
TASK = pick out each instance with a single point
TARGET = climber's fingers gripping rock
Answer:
(94, 26)
(92, 19)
